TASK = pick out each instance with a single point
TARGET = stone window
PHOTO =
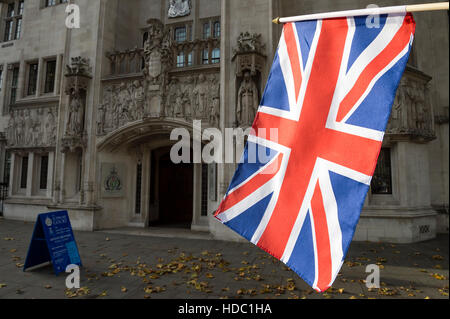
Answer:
(51, 3)
(180, 60)
(13, 20)
(43, 173)
(190, 61)
(217, 29)
(180, 34)
(32, 78)
(14, 83)
(382, 178)
(50, 74)
(206, 30)
(215, 56)
(205, 56)
(7, 167)
(24, 173)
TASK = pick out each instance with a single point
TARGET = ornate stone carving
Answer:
(249, 54)
(179, 8)
(32, 128)
(412, 113)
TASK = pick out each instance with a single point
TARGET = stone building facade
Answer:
(87, 113)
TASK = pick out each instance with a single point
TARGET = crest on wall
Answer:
(179, 8)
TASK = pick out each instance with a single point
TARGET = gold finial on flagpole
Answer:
(276, 20)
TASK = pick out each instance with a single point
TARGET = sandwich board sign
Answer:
(53, 241)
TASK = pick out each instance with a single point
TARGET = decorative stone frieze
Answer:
(32, 128)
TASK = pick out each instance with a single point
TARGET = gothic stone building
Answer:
(86, 113)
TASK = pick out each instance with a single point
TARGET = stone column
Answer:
(12, 178)
(29, 190)
(40, 77)
(58, 73)
(4, 71)
(21, 80)
(51, 163)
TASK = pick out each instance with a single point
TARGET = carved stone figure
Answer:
(11, 129)
(101, 113)
(138, 97)
(76, 115)
(214, 111)
(29, 127)
(179, 8)
(201, 97)
(188, 97)
(49, 128)
(247, 101)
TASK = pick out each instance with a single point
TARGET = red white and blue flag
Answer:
(329, 95)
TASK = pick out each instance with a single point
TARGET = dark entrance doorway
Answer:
(172, 186)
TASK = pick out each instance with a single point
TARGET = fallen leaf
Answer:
(123, 289)
(439, 277)
(48, 287)
(103, 294)
(437, 257)
(3, 285)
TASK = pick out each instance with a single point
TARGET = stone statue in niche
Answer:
(76, 115)
(179, 8)
(247, 101)
(201, 97)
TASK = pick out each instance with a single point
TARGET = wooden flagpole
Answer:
(370, 11)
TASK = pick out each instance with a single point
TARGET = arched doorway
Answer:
(171, 191)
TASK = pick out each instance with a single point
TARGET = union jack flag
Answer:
(329, 94)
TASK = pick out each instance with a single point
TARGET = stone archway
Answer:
(144, 147)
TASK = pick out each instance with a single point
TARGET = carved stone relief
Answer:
(179, 8)
(411, 112)
(185, 97)
(32, 128)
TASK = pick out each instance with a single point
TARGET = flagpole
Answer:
(370, 11)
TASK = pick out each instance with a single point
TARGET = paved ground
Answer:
(127, 266)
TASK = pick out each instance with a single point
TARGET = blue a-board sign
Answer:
(53, 241)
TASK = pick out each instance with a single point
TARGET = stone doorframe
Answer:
(142, 138)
